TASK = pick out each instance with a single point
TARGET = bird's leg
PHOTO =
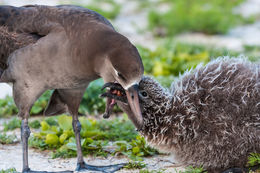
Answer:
(25, 133)
(81, 165)
(77, 128)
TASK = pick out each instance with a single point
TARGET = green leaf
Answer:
(63, 137)
(52, 139)
(254, 159)
(72, 146)
(85, 123)
(136, 150)
(65, 122)
(45, 126)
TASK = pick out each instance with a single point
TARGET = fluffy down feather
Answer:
(210, 117)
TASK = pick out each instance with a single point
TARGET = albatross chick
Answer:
(210, 117)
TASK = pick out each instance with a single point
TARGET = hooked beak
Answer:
(133, 101)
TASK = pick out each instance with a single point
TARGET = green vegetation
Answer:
(210, 17)
(135, 165)
(171, 59)
(253, 52)
(91, 102)
(35, 124)
(151, 171)
(254, 159)
(191, 169)
(136, 149)
(7, 107)
(10, 170)
(41, 103)
(12, 124)
(95, 138)
(7, 139)
(107, 8)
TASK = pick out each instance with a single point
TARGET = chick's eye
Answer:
(144, 94)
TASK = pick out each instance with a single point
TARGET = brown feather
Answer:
(11, 41)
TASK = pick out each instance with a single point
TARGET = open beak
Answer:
(133, 101)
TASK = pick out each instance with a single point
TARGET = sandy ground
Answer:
(5, 90)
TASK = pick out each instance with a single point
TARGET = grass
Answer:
(10, 170)
(35, 124)
(7, 139)
(15, 123)
(135, 165)
(151, 171)
(254, 159)
(136, 149)
(191, 169)
(210, 17)
(7, 107)
(252, 51)
(12, 124)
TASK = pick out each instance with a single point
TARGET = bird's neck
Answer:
(155, 116)
(170, 123)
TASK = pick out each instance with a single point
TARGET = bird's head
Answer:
(126, 68)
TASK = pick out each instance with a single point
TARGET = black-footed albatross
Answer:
(64, 48)
(209, 118)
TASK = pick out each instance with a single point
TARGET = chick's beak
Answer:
(133, 101)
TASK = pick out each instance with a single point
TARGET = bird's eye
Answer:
(144, 94)
(121, 76)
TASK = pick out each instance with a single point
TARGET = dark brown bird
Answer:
(63, 48)
(210, 118)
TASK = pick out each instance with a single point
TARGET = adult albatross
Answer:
(63, 48)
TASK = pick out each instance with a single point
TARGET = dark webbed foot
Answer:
(105, 169)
